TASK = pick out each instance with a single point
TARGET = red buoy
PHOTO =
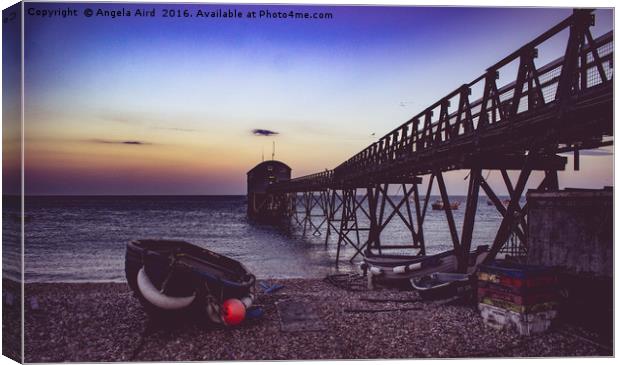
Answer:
(233, 311)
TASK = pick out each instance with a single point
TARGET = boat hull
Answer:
(399, 260)
(389, 270)
(180, 270)
(444, 285)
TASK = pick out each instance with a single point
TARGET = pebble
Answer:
(94, 322)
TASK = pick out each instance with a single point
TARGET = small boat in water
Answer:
(175, 276)
(439, 205)
(441, 285)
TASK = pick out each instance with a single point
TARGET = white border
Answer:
(477, 3)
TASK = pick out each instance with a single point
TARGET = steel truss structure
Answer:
(565, 105)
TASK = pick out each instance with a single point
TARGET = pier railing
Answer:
(314, 182)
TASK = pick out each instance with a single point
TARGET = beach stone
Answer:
(298, 316)
(94, 322)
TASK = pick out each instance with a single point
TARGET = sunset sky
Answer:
(168, 105)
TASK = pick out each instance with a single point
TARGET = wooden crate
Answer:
(519, 308)
(515, 270)
(517, 283)
(525, 299)
(524, 323)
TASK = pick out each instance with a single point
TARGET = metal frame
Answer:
(566, 105)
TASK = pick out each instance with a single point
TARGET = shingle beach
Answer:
(104, 322)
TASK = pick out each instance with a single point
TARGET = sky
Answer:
(160, 105)
(11, 97)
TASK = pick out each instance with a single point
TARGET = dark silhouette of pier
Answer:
(563, 106)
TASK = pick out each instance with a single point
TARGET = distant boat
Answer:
(438, 205)
(505, 202)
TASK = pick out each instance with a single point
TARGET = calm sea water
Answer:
(69, 239)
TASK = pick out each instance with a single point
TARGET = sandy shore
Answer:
(105, 322)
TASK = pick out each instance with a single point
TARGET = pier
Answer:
(521, 125)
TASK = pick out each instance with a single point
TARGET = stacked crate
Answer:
(516, 296)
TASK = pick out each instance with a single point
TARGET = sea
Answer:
(83, 238)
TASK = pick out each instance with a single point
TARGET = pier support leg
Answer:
(388, 209)
(334, 205)
(373, 198)
(419, 218)
(449, 216)
(551, 181)
(427, 196)
(348, 223)
(296, 201)
(414, 236)
(306, 203)
(357, 207)
(507, 222)
(315, 206)
(380, 219)
(469, 219)
(519, 210)
(500, 207)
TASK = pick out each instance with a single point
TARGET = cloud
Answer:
(122, 118)
(264, 132)
(129, 142)
(176, 129)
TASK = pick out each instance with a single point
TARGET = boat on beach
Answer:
(441, 285)
(175, 276)
(407, 261)
(394, 270)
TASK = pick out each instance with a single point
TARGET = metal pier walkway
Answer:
(565, 105)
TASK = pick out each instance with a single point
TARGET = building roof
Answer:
(270, 162)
